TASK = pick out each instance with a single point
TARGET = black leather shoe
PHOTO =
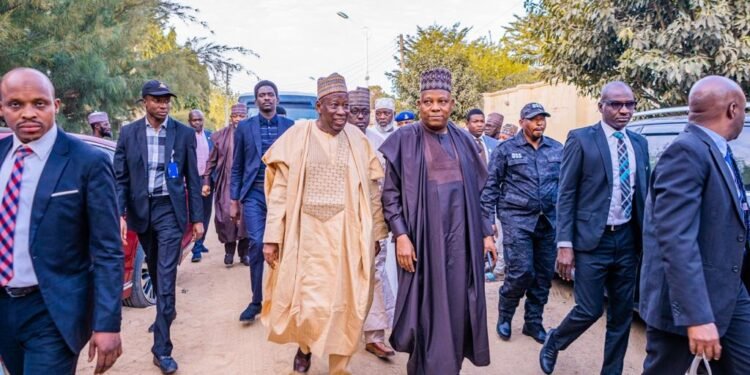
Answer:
(503, 329)
(548, 355)
(248, 316)
(228, 259)
(166, 364)
(151, 328)
(302, 361)
(245, 260)
(535, 331)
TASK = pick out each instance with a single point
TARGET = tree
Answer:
(219, 103)
(98, 53)
(477, 66)
(659, 47)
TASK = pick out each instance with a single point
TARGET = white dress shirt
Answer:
(23, 269)
(616, 216)
(201, 151)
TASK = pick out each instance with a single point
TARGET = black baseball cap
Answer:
(532, 110)
(155, 88)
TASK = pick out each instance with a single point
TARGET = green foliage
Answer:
(477, 66)
(99, 53)
(659, 47)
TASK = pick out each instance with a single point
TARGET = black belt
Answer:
(616, 228)
(18, 292)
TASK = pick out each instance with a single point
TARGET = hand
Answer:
(124, 231)
(271, 254)
(489, 247)
(565, 263)
(704, 340)
(109, 348)
(234, 210)
(197, 231)
(405, 254)
(206, 190)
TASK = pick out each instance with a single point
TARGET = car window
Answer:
(110, 152)
(660, 138)
(741, 149)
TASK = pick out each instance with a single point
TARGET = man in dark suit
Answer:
(252, 139)
(155, 161)
(61, 265)
(603, 180)
(203, 148)
(475, 126)
(692, 296)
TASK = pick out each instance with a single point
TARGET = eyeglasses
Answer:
(355, 111)
(617, 105)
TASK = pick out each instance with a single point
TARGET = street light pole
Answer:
(367, 48)
(367, 57)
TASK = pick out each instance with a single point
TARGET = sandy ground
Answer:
(209, 339)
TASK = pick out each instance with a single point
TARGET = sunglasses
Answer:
(617, 105)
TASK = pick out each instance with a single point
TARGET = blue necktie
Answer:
(626, 201)
(729, 158)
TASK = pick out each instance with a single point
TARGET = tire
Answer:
(143, 294)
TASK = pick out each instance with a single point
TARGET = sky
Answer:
(299, 41)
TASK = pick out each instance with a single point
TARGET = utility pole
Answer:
(401, 49)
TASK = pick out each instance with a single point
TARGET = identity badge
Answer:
(172, 170)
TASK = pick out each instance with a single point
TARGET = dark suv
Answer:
(661, 126)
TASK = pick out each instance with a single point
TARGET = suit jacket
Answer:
(586, 186)
(131, 171)
(207, 134)
(491, 144)
(74, 240)
(248, 154)
(694, 238)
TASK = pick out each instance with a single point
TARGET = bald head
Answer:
(617, 104)
(196, 120)
(26, 76)
(27, 103)
(615, 89)
(718, 103)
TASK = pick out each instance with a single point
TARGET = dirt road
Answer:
(209, 339)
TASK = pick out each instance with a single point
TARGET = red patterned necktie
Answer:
(8, 211)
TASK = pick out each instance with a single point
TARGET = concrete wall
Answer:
(569, 110)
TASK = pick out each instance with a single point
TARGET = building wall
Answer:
(569, 109)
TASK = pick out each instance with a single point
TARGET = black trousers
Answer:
(254, 211)
(612, 267)
(208, 203)
(530, 266)
(667, 353)
(30, 343)
(161, 243)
